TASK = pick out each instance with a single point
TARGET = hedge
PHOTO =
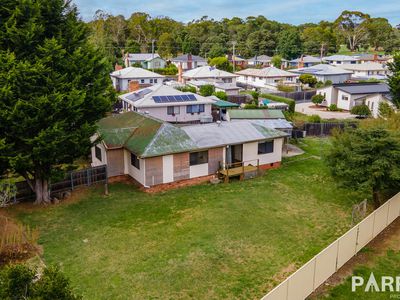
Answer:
(290, 102)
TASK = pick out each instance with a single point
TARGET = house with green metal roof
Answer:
(155, 152)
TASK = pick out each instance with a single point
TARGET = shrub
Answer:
(285, 88)
(221, 63)
(328, 83)
(186, 88)
(251, 106)
(385, 110)
(255, 95)
(19, 282)
(314, 119)
(288, 101)
(221, 95)
(333, 107)
(308, 79)
(276, 61)
(361, 110)
(317, 99)
(207, 90)
(319, 84)
(171, 69)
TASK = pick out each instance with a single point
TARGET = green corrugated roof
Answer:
(223, 103)
(256, 114)
(143, 135)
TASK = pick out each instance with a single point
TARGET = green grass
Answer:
(387, 265)
(230, 241)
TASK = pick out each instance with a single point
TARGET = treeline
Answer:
(252, 36)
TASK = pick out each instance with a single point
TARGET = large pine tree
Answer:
(53, 89)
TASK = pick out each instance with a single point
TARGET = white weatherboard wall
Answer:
(168, 168)
(183, 116)
(137, 174)
(315, 272)
(95, 161)
(250, 153)
(199, 170)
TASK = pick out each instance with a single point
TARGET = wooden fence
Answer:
(72, 180)
(324, 129)
(315, 272)
(297, 96)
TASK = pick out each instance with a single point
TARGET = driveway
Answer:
(308, 108)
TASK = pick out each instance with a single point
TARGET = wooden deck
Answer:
(237, 171)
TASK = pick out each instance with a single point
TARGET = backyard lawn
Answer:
(229, 241)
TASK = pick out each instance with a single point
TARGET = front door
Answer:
(234, 155)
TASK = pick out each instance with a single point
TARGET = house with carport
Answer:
(153, 152)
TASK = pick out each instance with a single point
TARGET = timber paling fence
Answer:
(297, 96)
(72, 180)
(325, 129)
(316, 271)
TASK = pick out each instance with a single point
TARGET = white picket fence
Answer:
(316, 271)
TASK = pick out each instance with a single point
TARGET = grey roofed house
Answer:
(321, 69)
(260, 59)
(306, 59)
(186, 58)
(363, 88)
(142, 56)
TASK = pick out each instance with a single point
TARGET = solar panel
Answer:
(171, 99)
(192, 97)
(176, 98)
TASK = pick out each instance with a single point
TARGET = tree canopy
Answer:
(54, 86)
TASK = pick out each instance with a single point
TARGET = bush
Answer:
(255, 95)
(276, 61)
(314, 119)
(251, 106)
(186, 89)
(207, 90)
(221, 63)
(19, 282)
(317, 99)
(385, 110)
(288, 101)
(361, 110)
(319, 84)
(171, 69)
(333, 107)
(221, 95)
(308, 79)
(285, 88)
(328, 83)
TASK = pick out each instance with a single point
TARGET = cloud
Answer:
(289, 11)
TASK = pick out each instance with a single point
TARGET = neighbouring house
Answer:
(238, 61)
(146, 60)
(324, 72)
(168, 104)
(373, 101)
(267, 78)
(348, 95)
(210, 74)
(367, 70)
(229, 88)
(260, 60)
(220, 108)
(305, 61)
(153, 152)
(143, 78)
(340, 59)
(189, 61)
(378, 58)
(270, 118)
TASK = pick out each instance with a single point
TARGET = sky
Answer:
(288, 11)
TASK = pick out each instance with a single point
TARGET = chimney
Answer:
(134, 86)
(189, 61)
(301, 62)
(375, 57)
(117, 67)
(180, 73)
(126, 60)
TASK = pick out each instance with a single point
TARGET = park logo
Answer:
(385, 284)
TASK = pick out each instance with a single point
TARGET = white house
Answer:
(210, 74)
(373, 101)
(348, 95)
(324, 72)
(189, 61)
(229, 89)
(367, 70)
(146, 60)
(144, 78)
(268, 78)
(305, 61)
(153, 152)
(340, 59)
(260, 60)
(168, 104)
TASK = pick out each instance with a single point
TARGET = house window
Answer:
(135, 161)
(141, 80)
(197, 108)
(372, 105)
(97, 151)
(345, 97)
(155, 80)
(198, 158)
(151, 80)
(173, 110)
(266, 147)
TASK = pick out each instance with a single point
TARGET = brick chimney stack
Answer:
(180, 73)
(301, 62)
(118, 67)
(134, 86)
(189, 61)
(375, 57)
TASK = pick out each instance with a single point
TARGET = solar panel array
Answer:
(177, 98)
(138, 95)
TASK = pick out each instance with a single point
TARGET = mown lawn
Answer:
(230, 241)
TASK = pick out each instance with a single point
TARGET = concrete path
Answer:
(307, 109)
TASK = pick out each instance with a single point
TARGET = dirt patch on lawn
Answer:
(387, 239)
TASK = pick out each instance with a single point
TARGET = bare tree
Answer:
(353, 27)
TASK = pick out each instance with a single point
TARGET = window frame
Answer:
(196, 158)
(98, 152)
(135, 161)
(176, 110)
(266, 147)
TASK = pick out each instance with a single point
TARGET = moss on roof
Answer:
(256, 114)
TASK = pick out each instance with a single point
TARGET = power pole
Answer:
(233, 56)
(152, 54)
